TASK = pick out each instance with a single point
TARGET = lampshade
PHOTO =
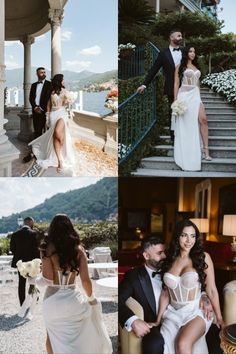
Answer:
(202, 224)
(229, 225)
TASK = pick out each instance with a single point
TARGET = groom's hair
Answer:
(28, 218)
(40, 68)
(150, 241)
(174, 30)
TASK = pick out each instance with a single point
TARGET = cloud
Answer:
(77, 65)
(17, 194)
(11, 43)
(10, 62)
(66, 35)
(95, 50)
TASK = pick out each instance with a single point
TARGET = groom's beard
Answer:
(155, 264)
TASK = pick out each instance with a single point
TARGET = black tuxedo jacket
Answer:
(166, 62)
(23, 245)
(137, 283)
(45, 95)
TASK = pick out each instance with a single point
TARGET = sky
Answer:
(89, 39)
(228, 15)
(17, 194)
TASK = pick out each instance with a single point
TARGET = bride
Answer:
(54, 147)
(187, 145)
(74, 326)
(187, 271)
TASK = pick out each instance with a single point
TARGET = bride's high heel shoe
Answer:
(205, 154)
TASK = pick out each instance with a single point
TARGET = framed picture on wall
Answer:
(227, 204)
(138, 218)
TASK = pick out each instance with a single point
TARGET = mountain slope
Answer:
(95, 202)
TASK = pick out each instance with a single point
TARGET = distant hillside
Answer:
(95, 202)
(74, 80)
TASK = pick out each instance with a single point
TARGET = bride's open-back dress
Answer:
(43, 147)
(73, 325)
(187, 142)
(185, 293)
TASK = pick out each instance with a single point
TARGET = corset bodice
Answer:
(183, 288)
(191, 77)
(58, 101)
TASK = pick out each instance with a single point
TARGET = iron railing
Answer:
(132, 64)
(138, 114)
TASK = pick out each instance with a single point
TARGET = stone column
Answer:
(8, 152)
(26, 126)
(55, 18)
(157, 6)
(27, 41)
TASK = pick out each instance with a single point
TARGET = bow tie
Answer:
(40, 82)
(178, 49)
(155, 273)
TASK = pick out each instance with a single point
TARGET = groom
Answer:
(39, 96)
(144, 285)
(23, 246)
(168, 59)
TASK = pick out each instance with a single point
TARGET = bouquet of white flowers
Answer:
(29, 270)
(178, 108)
(70, 97)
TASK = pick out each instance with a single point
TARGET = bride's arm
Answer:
(176, 84)
(163, 303)
(211, 290)
(84, 273)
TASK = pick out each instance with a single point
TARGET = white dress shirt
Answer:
(176, 55)
(38, 92)
(157, 287)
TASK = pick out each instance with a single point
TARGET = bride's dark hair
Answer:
(56, 84)
(64, 240)
(196, 254)
(184, 61)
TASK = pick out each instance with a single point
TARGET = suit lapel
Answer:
(170, 58)
(147, 288)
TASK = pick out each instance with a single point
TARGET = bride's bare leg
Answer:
(58, 139)
(204, 130)
(188, 335)
(48, 345)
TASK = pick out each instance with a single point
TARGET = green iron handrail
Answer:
(138, 114)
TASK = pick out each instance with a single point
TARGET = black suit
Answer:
(24, 247)
(39, 119)
(166, 62)
(137, 283)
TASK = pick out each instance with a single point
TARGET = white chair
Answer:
(101, 255)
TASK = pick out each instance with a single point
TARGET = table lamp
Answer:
(229, 229)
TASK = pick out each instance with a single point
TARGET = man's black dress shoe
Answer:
(28, 158)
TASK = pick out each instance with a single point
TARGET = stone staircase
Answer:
(222, 144)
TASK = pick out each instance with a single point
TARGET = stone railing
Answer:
(101, 131)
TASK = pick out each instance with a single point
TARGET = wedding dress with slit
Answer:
(73, 325)
(187, 142)
(43, 147)
(185, 293)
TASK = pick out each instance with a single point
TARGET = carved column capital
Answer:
(27, 40)
(55, 16)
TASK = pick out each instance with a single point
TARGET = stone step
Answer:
(221, 105)
(219, 115)
(216, 101)
(213, 140)
(226, 123)
(215, 151)
(220, 110)
(148, 172)
(221, 131)
(167, 163)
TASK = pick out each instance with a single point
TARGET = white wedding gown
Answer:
(42, 146)
(187, 142)
(185, 295)
(73, 325)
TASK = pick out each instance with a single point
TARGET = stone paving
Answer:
(18, 336)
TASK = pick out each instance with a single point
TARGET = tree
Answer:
(135, 12)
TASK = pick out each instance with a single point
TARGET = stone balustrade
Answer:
(101, 131)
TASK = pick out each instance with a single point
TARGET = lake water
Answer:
(93, 101)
